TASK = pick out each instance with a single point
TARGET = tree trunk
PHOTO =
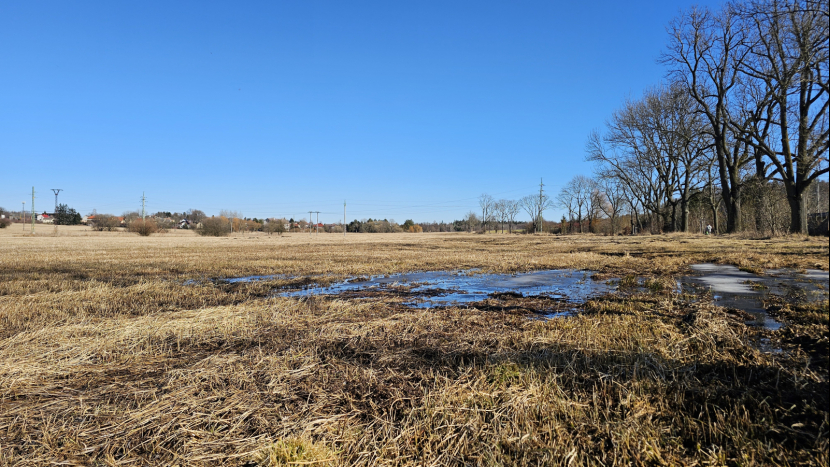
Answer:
(798, 210)
(716, 226)
(733, 215)
(674, 217)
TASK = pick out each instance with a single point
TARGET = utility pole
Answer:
(56, 191)
(317, 226)
(539, 217)
(23, 213)
(143, 204)
(309, 223)
(33, 210)
(344, 218)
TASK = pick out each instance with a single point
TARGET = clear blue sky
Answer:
(274, 108)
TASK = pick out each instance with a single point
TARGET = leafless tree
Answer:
(512, 209)
(485, 202)
(789, 57)
(706, 53)
(594, 204)
(567, 201)
(612, 202)
(654, 146)
(500, 212)
(194, 215)
(535, 205)
(472, 221)
(579, 189)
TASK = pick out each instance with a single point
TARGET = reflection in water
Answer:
(442, 288)
(729, 287)
(733, 288)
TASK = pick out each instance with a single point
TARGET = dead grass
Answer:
(108, 357)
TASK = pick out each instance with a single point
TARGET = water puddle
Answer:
(556, 291)
(234, 280)
(562, 291)
(732, 288)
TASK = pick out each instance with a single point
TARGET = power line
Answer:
(56, 191)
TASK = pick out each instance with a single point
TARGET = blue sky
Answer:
(404, 110)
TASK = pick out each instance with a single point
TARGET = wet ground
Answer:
(732, 288)
(551, 292)
(560, 292)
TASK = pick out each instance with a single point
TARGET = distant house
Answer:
(45, 218)
(185, 224)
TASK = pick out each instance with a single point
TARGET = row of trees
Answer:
(745, 113)
(599, 205)
(500, 213)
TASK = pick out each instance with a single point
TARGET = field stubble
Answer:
(109, 355)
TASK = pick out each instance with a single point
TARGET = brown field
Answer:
(109, 356)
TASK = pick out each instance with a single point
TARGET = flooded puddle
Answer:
(733, 288)
(561, 290)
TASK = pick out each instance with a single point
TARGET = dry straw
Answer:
(120, 350)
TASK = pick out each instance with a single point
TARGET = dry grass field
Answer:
(122, 350)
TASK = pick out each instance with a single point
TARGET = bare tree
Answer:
(594, 205)
(580, 190)
(512, 209)
(705, 54)
(472, 221)
(535, 205)
(485, 201)
(612, 201)
(194, 215)
(789, 56)
(500, 212)
(567, 201)
(654, 146)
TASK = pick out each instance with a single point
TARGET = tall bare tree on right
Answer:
(789, 59)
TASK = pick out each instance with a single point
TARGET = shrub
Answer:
(274, 227)
(215, 227)
(254, 226)
(4, 223)
(165, 224)
(415, 229)
(105, 222)
(143, 227)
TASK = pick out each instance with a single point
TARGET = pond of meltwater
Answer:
(561, 290)
(733, 288)
(443, 288)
